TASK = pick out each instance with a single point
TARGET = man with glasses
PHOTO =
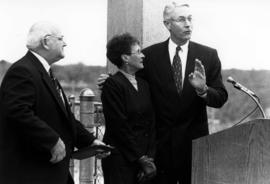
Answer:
(184, 77)
(38, 132)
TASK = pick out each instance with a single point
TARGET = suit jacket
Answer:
(32, 118)
(129, 117)
(179, 119)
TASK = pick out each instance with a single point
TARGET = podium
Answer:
(238, 155)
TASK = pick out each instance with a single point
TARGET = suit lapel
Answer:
(163, 67)
(47, 81)
(189, 65)
(166, 70)
(188, 92)
(127, 82)
(54, 93)
(165, 63)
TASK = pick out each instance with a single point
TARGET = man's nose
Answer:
(188, 23)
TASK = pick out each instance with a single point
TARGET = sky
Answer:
(238, 29)
(82, 22)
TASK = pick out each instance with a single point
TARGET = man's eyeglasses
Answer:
(139, 52)
(60, 38)
(182, 19)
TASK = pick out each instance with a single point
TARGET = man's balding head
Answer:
(170, 8)
(46, 39)
(37, 32)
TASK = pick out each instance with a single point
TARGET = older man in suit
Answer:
(38, 132)
(184, 78)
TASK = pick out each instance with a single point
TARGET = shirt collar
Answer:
(131, 79)
(129, 76)
(172, 46)
(42, 61)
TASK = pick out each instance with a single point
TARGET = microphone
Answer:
(240, 86)
(250, 93)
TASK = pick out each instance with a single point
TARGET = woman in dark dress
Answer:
(129, 116)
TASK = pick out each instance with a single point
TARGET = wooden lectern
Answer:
(238, 155)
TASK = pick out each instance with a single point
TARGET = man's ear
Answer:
(44, 43)
(167, 24)
(124, 57)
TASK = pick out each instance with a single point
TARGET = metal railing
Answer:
(88, 171)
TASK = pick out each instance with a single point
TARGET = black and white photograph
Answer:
(134, 92)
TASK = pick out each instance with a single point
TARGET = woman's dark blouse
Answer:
(129, 117)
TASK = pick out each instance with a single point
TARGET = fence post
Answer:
(71, 99)
(99, 127)
(86, 175)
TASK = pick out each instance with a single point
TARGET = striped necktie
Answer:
(57, 86)
(177, 70)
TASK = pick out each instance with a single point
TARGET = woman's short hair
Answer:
(118, 45)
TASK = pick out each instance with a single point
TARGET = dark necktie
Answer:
(56, 85)
(177, 70)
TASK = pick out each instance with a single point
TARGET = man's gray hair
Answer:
(169, 8)
(38, 32)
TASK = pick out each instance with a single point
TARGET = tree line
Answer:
(78, 76)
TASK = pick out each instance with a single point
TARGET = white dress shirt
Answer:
(47, 67)
(182, 54)
(44, 63)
